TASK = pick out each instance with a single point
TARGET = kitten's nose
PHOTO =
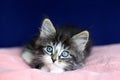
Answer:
(53, 60)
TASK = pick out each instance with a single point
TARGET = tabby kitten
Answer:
(58, 50)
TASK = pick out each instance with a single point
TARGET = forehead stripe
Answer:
(59, 47)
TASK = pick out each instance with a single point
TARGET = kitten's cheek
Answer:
(47, 59)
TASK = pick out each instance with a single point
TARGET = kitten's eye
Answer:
(65, 54)
(49, 49)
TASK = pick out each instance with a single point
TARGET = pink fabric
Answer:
(102, 64)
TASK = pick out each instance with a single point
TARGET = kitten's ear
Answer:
(47, 28)
(80, 40)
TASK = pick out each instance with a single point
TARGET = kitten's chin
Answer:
(57, 71)
(52, 69)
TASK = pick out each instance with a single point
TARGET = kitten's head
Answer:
(66, 53)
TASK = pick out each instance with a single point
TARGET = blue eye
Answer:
(65, 54)
(49, 49)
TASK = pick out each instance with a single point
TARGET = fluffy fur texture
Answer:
(58, 50)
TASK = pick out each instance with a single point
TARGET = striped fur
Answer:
(68, 39)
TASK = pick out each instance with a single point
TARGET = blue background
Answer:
(20, 19)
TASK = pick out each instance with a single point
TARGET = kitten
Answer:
(58, 50)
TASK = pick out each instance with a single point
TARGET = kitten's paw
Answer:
(27, 56)
(44, 69)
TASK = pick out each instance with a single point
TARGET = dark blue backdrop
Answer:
(20, 19)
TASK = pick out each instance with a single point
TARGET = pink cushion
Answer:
(102, 64)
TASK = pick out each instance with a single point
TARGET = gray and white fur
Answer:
(58, 50)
